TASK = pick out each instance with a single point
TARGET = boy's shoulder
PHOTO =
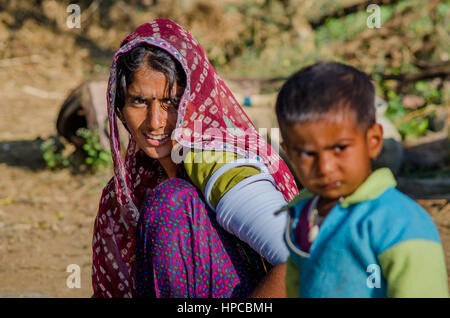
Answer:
(394, 204)
(394, 200)
(394, 218)
(382, 207)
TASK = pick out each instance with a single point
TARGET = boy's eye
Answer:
(339, 148)
(306, 154)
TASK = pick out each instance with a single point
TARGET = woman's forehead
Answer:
(146, 79)
(149, 82)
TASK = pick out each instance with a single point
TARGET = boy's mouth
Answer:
(330, 185)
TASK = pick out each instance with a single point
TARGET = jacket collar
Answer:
(378, 181)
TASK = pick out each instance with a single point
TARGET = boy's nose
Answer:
(325, 163)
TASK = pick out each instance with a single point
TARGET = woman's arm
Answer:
(273, 285)
(247, 211)
(244, 200)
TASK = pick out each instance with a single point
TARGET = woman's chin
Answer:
(157, 152)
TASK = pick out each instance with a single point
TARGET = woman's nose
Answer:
(156, 116)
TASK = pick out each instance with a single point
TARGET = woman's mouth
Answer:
(156, 140)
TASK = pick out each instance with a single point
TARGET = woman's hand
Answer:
(273, 285)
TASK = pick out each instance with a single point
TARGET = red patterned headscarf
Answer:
(209, 118)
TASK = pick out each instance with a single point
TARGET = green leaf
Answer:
(104, 156)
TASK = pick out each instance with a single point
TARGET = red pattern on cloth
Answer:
(302, 229)
(225, 127)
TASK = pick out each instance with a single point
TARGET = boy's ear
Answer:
(374, 139)
(284, 148)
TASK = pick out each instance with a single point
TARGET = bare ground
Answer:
(46, 217)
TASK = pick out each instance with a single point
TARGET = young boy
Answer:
(350, 233)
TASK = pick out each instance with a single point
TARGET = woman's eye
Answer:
(165, 104)
(138, 101)
(171, 104)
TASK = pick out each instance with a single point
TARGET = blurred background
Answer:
(53, 159)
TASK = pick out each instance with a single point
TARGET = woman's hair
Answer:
(150, 56)
(324, 89)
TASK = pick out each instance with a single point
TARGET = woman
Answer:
(190, 224)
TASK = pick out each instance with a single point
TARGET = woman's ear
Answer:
(120, 115)
(122, 119)
(374, 139)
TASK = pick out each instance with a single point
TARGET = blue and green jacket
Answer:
(377, 242)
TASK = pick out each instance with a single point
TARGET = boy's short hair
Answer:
(314, 91)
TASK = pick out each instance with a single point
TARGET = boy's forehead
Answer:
(325, 130)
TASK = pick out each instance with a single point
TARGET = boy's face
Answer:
(332, 158)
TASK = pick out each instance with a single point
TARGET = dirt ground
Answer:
(46, 217)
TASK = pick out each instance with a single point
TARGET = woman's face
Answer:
(149, 114)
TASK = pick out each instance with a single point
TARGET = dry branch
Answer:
(430, 72)
(343, 11)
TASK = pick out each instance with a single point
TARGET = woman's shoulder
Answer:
(203, 166)
(200, 165)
